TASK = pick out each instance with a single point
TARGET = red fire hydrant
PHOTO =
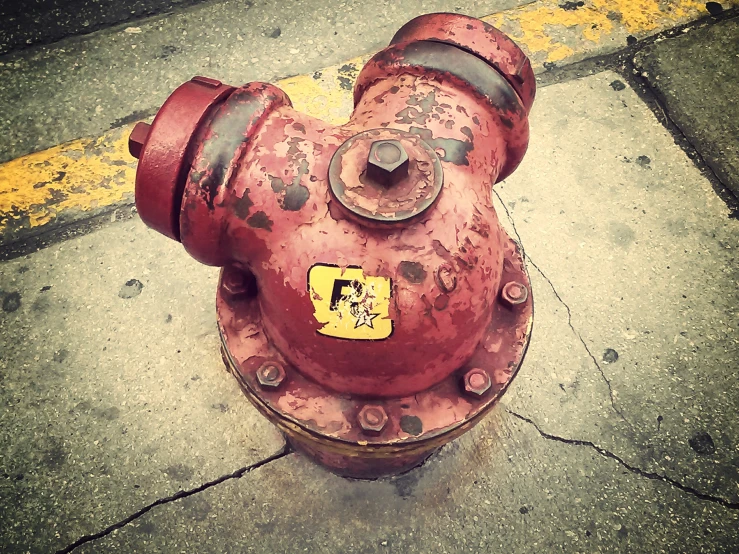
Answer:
(370, 303)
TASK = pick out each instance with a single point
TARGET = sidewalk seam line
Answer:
(238, 474)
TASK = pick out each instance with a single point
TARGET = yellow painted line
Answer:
(79, 178)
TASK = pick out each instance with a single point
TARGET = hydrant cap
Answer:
(479, 38)
(385, 177)
(163, 154)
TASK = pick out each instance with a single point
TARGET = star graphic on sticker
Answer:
(365, 318)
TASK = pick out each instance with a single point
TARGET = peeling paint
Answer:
(86, 175)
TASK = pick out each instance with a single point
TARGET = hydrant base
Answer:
(326, 425)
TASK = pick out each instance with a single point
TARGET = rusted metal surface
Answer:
(393, 192)
(361, 304)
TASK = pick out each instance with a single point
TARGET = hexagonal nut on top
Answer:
(270, 375)
(372, 419)
(476, 382)
(514, 294)
(387, 162)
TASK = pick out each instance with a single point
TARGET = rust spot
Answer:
(260, 220)
(441, 302)
(418, 110)
(243, 205)
(413, 272)
(295, 195)
(453, 150)
(411, 424)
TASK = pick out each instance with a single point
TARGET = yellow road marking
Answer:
(73, 180)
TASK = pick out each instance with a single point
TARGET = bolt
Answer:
(445, 278)
(387, 163)
(477, 382)
(372, 419)
(137, 139)
(270, 375)
(237, 282)
(513, 294)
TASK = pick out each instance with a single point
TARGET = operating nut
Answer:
(513, 294)
(387, 163)
(271, 375)
(137, 139)
(476, 382)
(372, 419)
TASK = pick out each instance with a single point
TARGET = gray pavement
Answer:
(83, 86)
(23, 24)
(696, 76)
(618, 435)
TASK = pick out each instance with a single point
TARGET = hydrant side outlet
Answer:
(370, 305)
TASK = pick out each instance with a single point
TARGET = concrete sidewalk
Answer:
(121, 431)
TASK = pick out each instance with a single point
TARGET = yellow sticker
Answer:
(349, 304)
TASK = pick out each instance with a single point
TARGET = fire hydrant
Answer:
(370, 303)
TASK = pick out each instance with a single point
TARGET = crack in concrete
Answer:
(633, 469)
(569, 313)
(238, 474)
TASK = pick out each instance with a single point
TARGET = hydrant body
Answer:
(370, 305)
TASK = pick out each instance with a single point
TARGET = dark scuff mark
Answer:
(348, 68)
(617, 85)
(131, 118)
(455, 151)
(131, 289)
(419, 109)
(571, 6)
(260, 220)
(345, 83)
(702, 443)
(11, 301)
(413, 272)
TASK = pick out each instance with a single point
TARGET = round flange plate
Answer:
(371, 199)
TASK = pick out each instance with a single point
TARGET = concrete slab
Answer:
(620, 432)
(502, 488)
(112, 391)
(696, 76)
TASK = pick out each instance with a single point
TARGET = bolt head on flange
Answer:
(270, 375)
(387, 163)
(137, 139)
(513, 294)
(476, 382)
(372, 419)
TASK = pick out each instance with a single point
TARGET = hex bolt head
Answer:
(137, 139)
(372, 419)
(513, 294)
(476, 382)
(387, 163)
(270, 375)
(237, 282)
